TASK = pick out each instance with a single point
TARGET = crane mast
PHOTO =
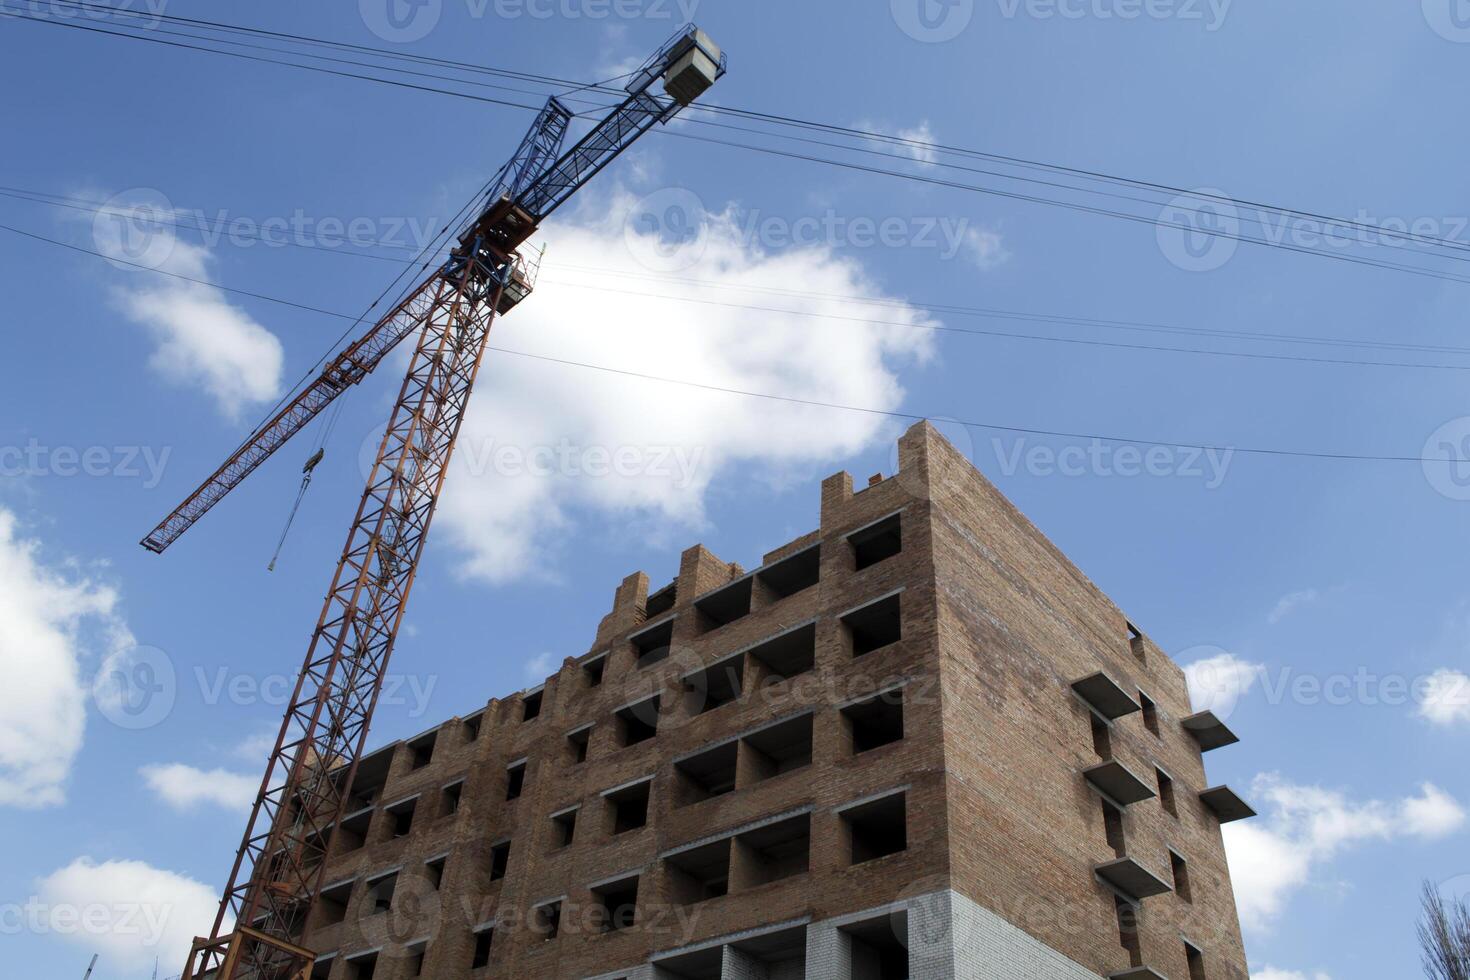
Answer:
(260, 929)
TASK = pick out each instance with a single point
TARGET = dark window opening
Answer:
(876, 722)
(662, 601)
(794, 573)
(362, 967)
(700, 873)
(354, 830)
(400, 816)
(593, 670)
(1102, 739)
(1166, 793)
(483, 940)
(471, 728)
(777, 749)
(776, 851)
(450, 798)
(499, 860)
(1135, 642)
(1128, 931)
(531, 706)
(880, 947)
(515, 780)
(638, 722)
(322, 968)
(563, 828)
(652, 645)
(875, 543)
(380, 892)
(708, 774)
(628, 807)
(422, 751)
(547, 920)
(1113, 828)
(616, 904)
(577, 743)
(333, 903)
(434, 871)
(773, 954)
(874, 626)
(725, 605)
(1181, 877)
(1196, 961)
(416, 954)
(877, 829)
(1150, 713)
(715, 686)
(788, 654)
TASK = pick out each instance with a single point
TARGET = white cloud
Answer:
(541, 666)
(1289, 603)
(1303, 827)
(549, 450)
(917, 134)
(985, 248)
(53, 620)
(1272, 973)
(201, 340)
(1446, 697)
(186, 788)
(1219, 680)
(129, 911)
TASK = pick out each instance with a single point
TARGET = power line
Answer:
(837, 406)
(866, 135)
(102, 207)
(780, 119)
(936, 327)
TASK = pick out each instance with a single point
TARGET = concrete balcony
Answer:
(1209, 731)
(1137, 973)
(1226, 804)
(1117, 782)
(1105, 696)
(1132, 879)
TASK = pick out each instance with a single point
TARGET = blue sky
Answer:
(1314, 592)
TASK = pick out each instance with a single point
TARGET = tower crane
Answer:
(259, 930)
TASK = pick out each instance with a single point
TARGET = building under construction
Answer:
(916, 742)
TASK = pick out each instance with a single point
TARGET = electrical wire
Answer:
(837, 406)
(870, 321)
(927, 146)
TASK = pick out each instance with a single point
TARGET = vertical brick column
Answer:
(736, 965)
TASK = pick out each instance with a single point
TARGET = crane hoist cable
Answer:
(306, 471)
